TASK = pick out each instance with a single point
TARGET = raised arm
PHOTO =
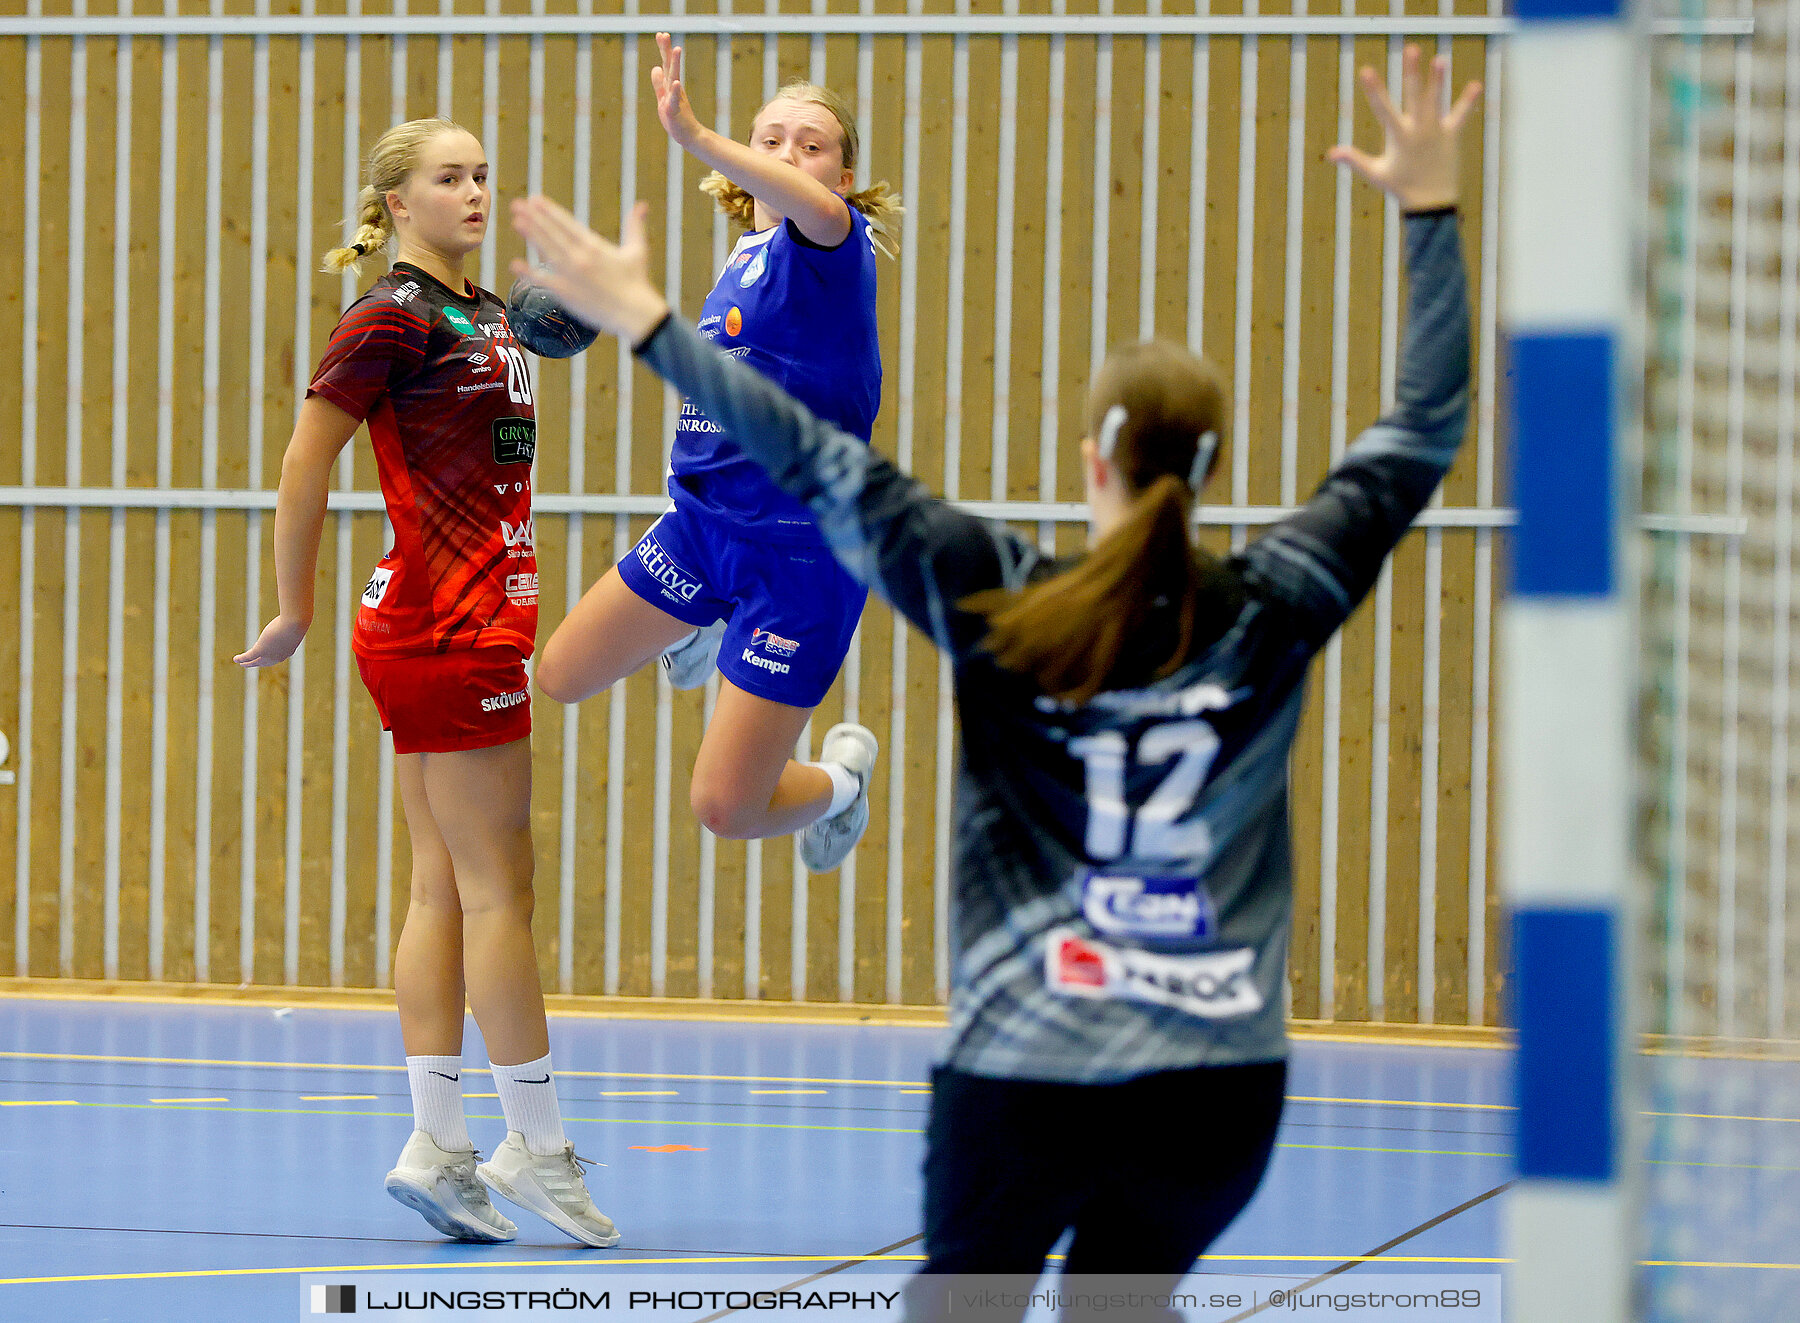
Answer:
(919, 553)
(1324, 559)
(818, 213)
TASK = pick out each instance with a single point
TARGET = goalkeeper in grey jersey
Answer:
(1122, 878)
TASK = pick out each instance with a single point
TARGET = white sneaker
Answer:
(826, 843)
(690, 661)
(440, 1185)
(550, 1186)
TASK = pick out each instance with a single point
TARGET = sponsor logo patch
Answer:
(764, 664)
(515, 440)
(500, 702)
(522, 589)
(459, 320)
(754, 271)
(781, 647)
(734, 322)
(377, 587)
(406, 293)
(520, 535)
(478, 358)
(1215, 985)
(675, 580)
(1148, 906)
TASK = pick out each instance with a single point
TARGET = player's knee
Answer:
(723, 813)
(556, 676)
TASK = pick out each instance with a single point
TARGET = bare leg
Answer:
(610, 633)
(428, 963)
(481, 802)
(746, 783)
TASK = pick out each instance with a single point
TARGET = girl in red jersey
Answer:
(429, 361)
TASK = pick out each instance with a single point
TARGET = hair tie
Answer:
(1109, 430)
(1204, 450)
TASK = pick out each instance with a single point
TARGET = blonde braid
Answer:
(374, 227)
(391, 161)
(878, 202)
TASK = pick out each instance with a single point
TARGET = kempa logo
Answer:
(334, 1300)
(501, 702)
(763, 663)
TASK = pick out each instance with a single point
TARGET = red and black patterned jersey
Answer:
(448, 400)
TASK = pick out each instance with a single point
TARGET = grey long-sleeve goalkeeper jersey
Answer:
(1123, 885)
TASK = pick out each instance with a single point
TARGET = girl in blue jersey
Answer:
(737, 570)
(1124, 893)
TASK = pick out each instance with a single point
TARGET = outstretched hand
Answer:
(672, 108)
(606, 285)
(1418, 161)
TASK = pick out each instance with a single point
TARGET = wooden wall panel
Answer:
(956, 411)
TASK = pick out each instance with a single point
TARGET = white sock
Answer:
(528, 1098)
(845, 787)
(437, 1098)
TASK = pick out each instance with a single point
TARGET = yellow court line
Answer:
(785, 1091)
(1403, 1102)
(1413, 1152)
(1678, 1263)
(481, 1095)
(641, 1093)
(39, 1102)
(483, 1265)
(489, 1265)
(757, 1125)
(338, 1097)
(486, 1265)
(467, 1070)
(904, 1086)
(190, 1100)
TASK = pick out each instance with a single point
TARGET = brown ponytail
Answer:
(1068, 632)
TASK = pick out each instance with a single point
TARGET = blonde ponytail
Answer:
(392, 159)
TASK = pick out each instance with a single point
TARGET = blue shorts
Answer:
(791, 609)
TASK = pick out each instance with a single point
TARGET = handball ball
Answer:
(542, 324)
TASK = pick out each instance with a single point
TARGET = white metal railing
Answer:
(424, 37)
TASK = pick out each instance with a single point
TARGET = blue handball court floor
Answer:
(207, 1161)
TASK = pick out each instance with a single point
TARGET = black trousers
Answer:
(1147, 1172)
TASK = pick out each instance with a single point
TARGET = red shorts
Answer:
(449, 701)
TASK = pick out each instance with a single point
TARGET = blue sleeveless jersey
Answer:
(804, 317)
